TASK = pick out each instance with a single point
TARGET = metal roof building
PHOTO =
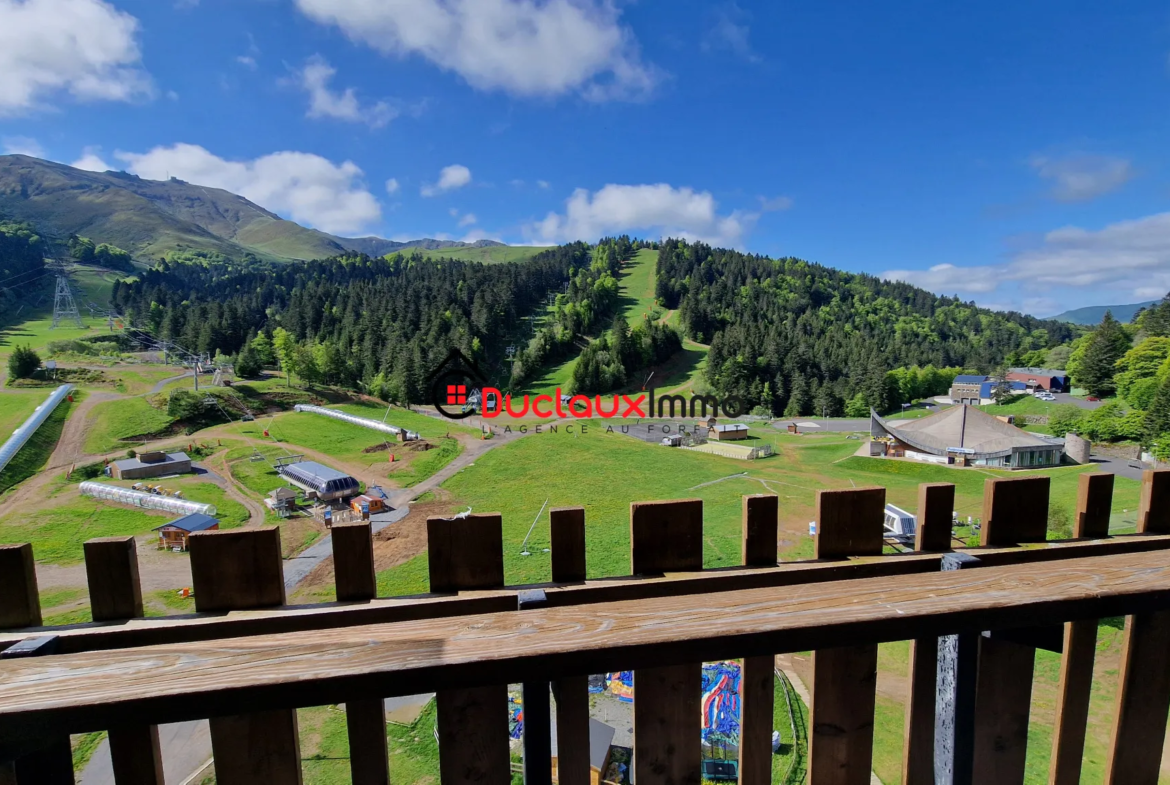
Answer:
(328, 484)
(964, 435)
(151, 464)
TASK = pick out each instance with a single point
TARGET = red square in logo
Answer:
(456, 394)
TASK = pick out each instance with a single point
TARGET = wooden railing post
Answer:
(1094, 502)
(761, 515)
(849, 523)
(571, 692)
(242, 570)
(1143, 693)
(1154, 506)
(115, 594)
(20, 606)
(465, 554)
(667, 537)
(1015, 511)
(365, 720)
(936, 505)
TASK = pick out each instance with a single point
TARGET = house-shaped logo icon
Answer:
(455, 386)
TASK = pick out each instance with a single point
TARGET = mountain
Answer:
(1093, 314)
(376, 246)
(149, 218)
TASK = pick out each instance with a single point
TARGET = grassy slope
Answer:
(604, 472)
(68, 519)
(35, 329)
(36, 451)
(487, 255)
(114, 421)
(16, 406)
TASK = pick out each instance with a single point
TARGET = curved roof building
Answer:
(965, 435)
(329, 484)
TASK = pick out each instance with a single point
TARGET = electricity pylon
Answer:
(64, 306)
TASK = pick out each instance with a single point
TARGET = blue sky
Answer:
(1011, 153)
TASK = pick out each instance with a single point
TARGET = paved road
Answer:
(827, 426)
(1081, 402)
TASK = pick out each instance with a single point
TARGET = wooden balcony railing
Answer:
(975, 616)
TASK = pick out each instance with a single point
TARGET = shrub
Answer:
(23, 363)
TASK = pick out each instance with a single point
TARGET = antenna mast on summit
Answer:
(64, 306)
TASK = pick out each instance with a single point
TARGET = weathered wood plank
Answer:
(261, 747)
(115, 594)
(369, 760)
(1015, 511)
(353, 562)
(761, 521)
(163, 630)
(1154, 506)
(1002, 700)
(20, 602)
(51, 765)
(568, 544)
(1072, 702)
(666, 536)
(136, 755)
(1094, 503)
(572, 697)
(111, 569)
(239, 570)
(473, 736)
(936, 507)
(918, 748)
(757, 694)
(1143, 701)
(667, 737)
(849, 522)
(90, 691)
(841, 718)
(365, 720)
(466, 553)
(537, 733)
(234, 570)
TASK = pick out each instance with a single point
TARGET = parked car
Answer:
(1092, 398)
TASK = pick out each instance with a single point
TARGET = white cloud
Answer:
(523, 47)
(451, 178)
(91, 160)
(1128, 257)
(392, 185)
(1079, 178)
(542, 184)
(314, 79)
(23, 145)
(86, 48)
(676, 212)
(731, 32)
(468, 219)
(307, 188)
(775, 204)
(248, 62)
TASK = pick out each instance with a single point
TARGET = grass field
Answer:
(605, 472)
(554, 376)
(427, 427)
(16, 406)
(68, 519)
(113, 421)
(637, 286)
(37, 450)
(487, 255)
(36, 320)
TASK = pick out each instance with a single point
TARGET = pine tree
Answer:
(1105, 347)
(798, 400)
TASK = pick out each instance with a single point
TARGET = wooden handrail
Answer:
(84, 692)
(245, 669)
(98, 636)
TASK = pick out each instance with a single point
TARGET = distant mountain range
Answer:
(148, 218)
(1093, 314)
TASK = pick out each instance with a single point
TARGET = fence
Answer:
(975, 618)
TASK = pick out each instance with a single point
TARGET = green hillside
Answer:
(490, 254)
(1093, 314)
